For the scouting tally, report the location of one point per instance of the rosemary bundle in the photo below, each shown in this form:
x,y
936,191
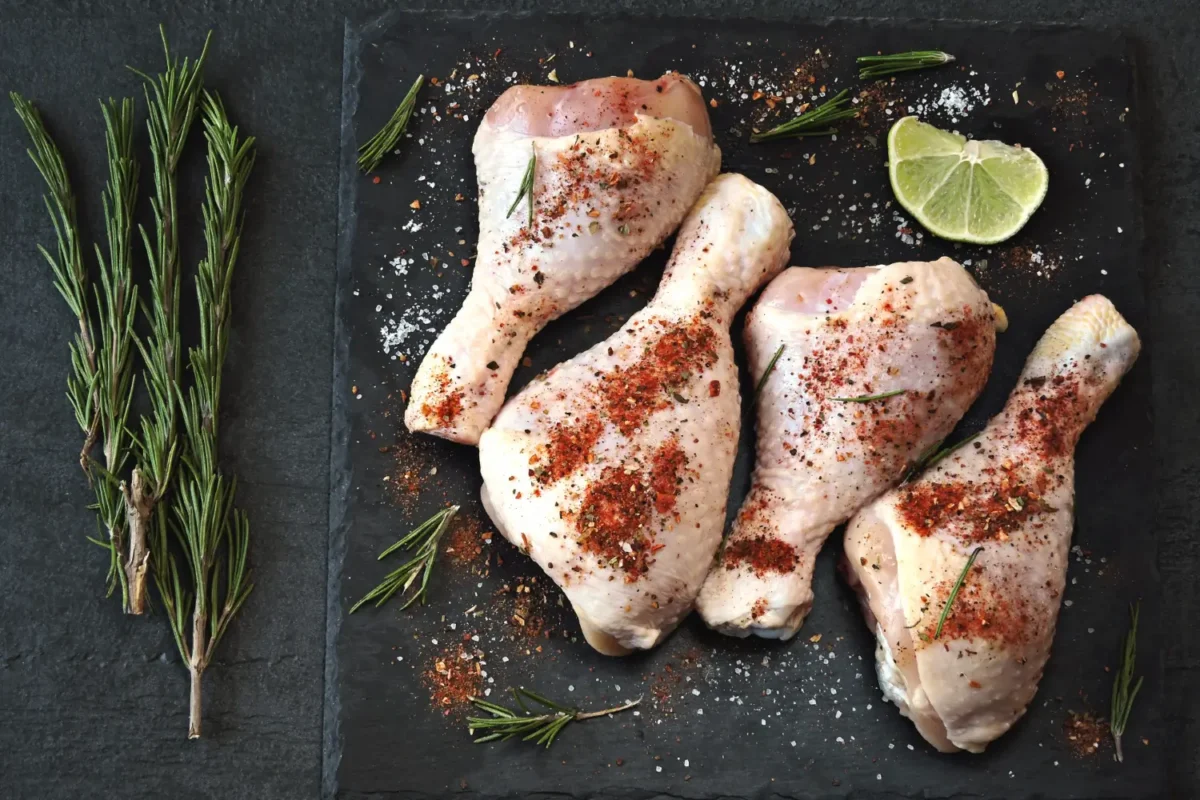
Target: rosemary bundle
x,y
138,516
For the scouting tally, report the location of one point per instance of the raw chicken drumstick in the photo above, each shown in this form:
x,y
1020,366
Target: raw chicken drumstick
x,y
612,471
1008,497
878,365
613,165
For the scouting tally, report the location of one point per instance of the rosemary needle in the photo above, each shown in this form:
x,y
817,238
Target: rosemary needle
x,y
767,372
1122,695
962,577
505,723
526,189
424,540
382,143
815,122
879,66
867,398
933,455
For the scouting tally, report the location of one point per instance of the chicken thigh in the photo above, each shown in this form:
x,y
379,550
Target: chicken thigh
x,y
610,166
877,364
997,513
612,471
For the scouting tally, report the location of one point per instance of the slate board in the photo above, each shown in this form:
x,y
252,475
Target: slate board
x,y
798,719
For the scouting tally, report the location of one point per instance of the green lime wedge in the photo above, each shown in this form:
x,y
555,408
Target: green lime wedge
x,y
963,189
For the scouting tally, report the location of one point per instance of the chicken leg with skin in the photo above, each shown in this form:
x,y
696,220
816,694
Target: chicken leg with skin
x,y
612,166
1007,497
877,365
612,471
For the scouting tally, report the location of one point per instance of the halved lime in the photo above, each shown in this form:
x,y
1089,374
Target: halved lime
x,y
963,189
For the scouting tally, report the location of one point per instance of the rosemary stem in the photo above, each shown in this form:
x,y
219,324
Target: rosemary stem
x,y
607,711
196,669
138,508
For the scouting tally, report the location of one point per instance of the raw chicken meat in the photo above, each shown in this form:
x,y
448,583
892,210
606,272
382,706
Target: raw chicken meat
x,y
1007,496
618,163
922,335
612,471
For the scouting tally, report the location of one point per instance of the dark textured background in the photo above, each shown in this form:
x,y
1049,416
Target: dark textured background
x,y
93,705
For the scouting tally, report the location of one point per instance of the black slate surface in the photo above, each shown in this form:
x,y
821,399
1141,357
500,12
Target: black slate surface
x,y
86,709
749,718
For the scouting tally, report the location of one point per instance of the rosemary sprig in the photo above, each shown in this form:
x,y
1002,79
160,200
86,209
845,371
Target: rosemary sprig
x,y
214,534
767,372
867,398
871,67
172,98
424,540
526,188
932,455
70,274
1122,695
115,297
383,142
962,577
813,122
505,723
100,386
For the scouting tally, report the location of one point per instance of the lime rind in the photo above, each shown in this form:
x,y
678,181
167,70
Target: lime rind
x,y
963,190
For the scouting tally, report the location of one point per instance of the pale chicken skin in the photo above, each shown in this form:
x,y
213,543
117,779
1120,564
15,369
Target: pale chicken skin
x,y
1007,496
922,334
617,162
612,471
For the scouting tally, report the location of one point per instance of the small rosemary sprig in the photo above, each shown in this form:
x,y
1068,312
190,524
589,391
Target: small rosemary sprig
x,y
172,98
962,577
215,535
867,398
871,67
70,274
505,723
526,190
934,454
100,386
383,142
767,372
115,297
1122,695
813,122
424,539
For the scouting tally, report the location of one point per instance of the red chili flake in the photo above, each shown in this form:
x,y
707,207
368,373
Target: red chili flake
x,y
983,610
1049,418
763,554
453,677
759,608
629,395
570,447
714,388
446,409
376,179
976,511
615,515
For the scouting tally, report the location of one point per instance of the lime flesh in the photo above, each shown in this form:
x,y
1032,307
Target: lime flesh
x,y
963,189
